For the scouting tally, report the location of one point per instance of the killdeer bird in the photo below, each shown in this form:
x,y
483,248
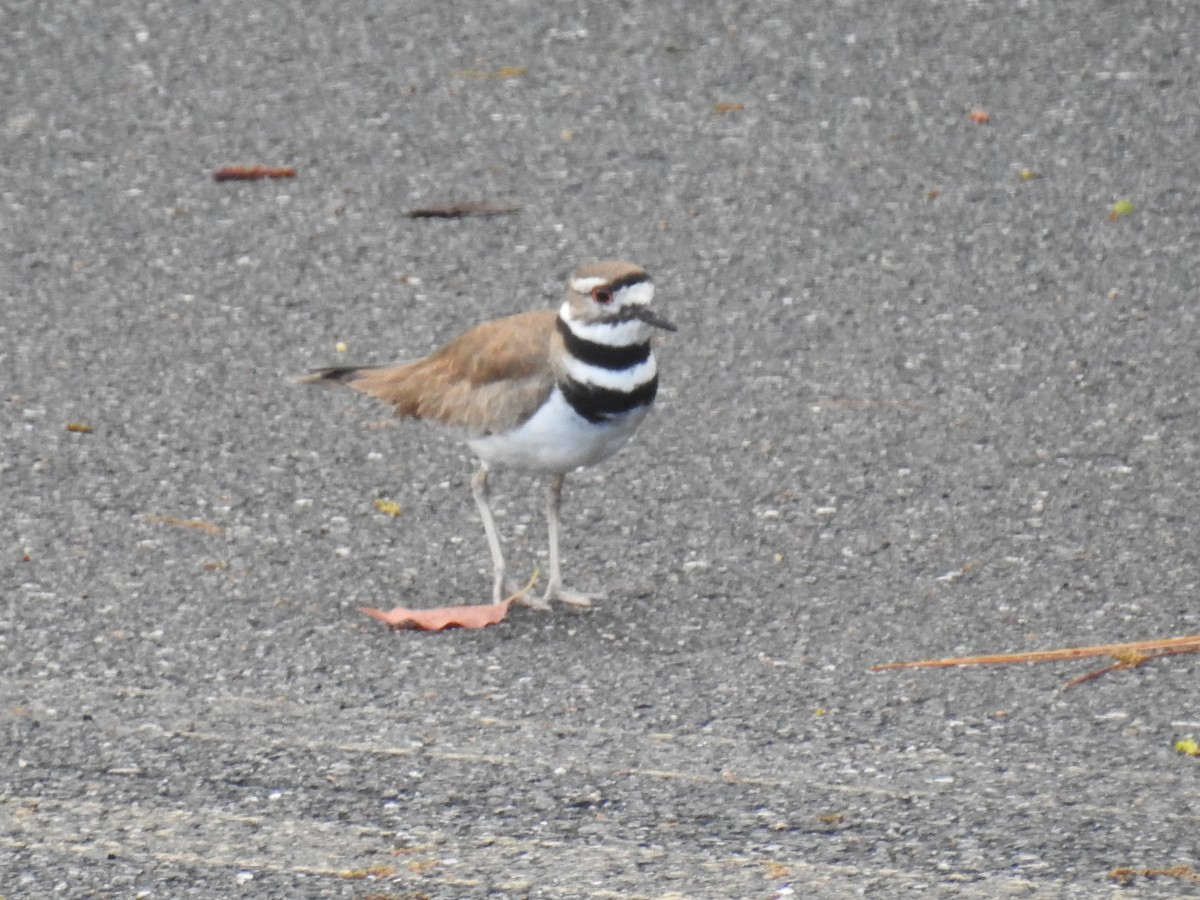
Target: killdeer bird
x,y
544,392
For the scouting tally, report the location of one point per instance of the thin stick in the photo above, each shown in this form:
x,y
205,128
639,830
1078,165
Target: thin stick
x,y
1124,653
533,579
1131,661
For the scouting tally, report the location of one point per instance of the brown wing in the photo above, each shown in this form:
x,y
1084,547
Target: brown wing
x,y
487,379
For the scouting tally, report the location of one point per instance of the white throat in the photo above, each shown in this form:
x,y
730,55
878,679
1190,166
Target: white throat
x,y
612,334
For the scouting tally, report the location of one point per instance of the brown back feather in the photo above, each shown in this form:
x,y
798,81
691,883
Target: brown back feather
x,y
489,378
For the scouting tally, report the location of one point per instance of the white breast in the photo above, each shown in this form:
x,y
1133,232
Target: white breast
x,y
556,439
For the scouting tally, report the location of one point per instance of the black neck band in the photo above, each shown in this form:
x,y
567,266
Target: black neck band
x,y
603,356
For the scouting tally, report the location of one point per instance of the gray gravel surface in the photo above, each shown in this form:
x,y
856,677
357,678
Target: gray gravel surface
x,y
918,406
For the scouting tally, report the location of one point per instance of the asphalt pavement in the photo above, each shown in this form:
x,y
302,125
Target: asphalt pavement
x,y
933,393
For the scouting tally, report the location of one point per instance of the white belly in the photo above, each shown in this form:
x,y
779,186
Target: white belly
x,y
557,439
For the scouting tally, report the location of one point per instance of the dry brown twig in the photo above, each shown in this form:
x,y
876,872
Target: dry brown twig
x,y
461,210
1127,656
194,524
1126,875
253,173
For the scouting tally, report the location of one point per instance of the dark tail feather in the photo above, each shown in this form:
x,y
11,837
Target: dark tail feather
x,y
333,375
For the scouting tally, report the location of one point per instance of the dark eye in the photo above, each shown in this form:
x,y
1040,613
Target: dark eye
x,y
602,295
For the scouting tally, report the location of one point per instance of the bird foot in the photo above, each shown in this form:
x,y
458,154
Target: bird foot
x,y
570,598
533,601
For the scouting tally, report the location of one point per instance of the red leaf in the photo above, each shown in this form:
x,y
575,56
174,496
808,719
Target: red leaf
x,y
472,617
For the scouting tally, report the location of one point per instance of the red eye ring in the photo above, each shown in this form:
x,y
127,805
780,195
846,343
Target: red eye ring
x,y
602,295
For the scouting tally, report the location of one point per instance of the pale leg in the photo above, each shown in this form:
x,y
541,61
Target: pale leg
x,y
555,589
502,588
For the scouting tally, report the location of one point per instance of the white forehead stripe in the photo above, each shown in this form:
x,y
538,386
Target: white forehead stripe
x,y
639,293
585,285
